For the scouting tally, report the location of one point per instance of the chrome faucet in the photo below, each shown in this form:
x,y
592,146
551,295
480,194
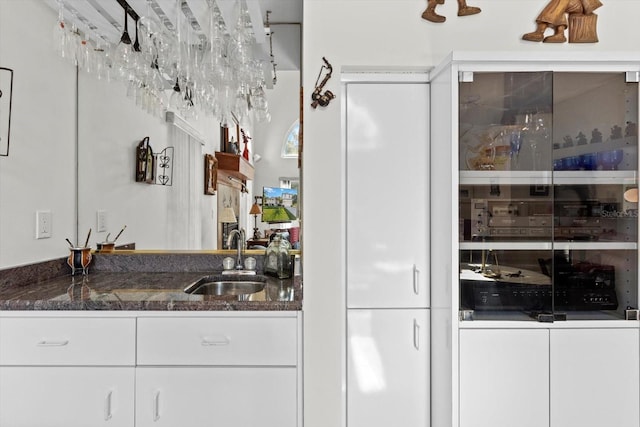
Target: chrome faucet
x,y
241,242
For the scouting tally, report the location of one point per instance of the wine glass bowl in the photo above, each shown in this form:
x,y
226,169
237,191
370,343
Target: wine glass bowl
x,y
609,160
588,161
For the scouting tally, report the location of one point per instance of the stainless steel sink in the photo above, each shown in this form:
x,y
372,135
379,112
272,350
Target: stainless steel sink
x,y
215,285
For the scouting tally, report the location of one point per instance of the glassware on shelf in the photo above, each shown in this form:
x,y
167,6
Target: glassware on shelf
x,y
609,160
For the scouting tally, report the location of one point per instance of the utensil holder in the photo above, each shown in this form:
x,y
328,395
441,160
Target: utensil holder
x,y
79,260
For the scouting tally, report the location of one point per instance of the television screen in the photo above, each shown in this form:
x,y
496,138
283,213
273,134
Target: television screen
x,y
279,204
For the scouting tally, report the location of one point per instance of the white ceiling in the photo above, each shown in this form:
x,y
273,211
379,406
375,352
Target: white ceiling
x,y
285,21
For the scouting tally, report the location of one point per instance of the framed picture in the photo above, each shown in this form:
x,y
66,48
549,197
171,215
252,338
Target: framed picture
x,y
210,174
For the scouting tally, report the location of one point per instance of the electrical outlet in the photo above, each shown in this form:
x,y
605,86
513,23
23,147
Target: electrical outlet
x,y
101,221
43,224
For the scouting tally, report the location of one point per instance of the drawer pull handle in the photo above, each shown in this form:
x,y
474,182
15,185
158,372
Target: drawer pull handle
x,y
416,334
46,343
156,406
221,340
107,406
416,280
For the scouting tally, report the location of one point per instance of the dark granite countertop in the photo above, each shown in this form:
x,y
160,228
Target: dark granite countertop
x,y
133,290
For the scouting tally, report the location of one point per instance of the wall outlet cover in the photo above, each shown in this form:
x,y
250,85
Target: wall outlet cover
x,y
43,224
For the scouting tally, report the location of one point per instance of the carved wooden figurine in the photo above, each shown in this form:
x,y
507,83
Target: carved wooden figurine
x,y
581,22
463,10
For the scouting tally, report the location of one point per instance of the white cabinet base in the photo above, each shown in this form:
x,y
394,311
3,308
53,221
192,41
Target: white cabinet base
x,y
388,368
206,396
594,378
504,378
66,396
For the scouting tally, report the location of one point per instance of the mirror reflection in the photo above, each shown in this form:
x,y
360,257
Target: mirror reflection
x,y
115,115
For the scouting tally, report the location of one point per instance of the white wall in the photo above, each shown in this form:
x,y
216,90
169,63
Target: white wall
x,y
110,127
383,34
40,168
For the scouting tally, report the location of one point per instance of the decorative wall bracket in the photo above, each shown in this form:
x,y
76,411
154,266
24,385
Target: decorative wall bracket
x,y
154,168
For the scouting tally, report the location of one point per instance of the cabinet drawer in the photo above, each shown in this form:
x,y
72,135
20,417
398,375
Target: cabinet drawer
x,y
67,341
217,341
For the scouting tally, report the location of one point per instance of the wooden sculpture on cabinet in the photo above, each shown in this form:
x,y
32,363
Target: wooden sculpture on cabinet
x,y
463,10
576,15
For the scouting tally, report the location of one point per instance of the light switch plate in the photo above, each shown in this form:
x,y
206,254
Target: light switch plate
x,y
101,221
43,224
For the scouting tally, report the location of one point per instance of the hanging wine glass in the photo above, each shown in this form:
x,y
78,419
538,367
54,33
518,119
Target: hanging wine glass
x,y
60,32
121,53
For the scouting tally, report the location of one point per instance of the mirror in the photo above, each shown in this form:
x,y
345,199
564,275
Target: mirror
x,y
73,142
113,120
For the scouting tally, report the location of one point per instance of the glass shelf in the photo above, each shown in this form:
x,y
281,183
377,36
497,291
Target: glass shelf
x,y
547,177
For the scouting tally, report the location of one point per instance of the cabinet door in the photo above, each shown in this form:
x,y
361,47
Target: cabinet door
x,y
388,368
504,378
594,377
66,396
204,397
387,142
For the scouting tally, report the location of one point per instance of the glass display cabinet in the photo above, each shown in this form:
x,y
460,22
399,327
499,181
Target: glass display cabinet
x,y
547,194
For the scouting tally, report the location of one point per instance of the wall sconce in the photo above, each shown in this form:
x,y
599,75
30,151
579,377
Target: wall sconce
x,y
255,211
154,168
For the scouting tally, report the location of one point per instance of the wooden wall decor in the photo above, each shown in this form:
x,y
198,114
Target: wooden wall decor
x,y
575,15
463,10
210,174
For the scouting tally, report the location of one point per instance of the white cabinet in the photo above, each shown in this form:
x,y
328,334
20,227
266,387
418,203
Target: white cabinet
x,y
217,340
504,378
142,369
387,146
388,367
218,370
594,377
67,341
66,396
549,377
206,396
67,371
531,163
387,256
